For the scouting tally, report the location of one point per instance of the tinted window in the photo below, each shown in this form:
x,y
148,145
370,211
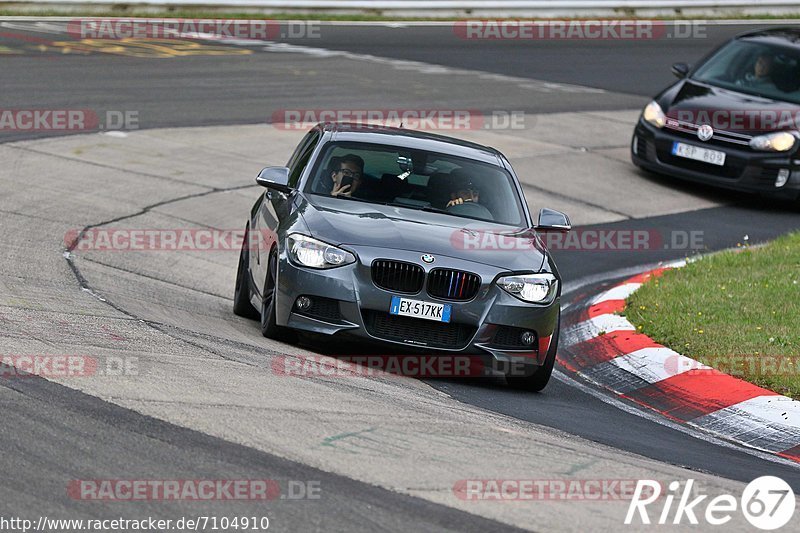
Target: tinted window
x,y
299,159
755,67
419,179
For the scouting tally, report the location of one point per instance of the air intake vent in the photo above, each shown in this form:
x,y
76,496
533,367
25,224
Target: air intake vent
x,y
416,331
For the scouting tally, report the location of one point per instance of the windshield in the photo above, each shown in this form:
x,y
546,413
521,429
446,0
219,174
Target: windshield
x,y
416,179
756,68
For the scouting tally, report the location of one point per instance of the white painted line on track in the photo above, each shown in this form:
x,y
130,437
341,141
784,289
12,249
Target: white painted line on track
x,y
656,364
620,292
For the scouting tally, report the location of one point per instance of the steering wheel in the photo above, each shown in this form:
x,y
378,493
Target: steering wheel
x,y
470,209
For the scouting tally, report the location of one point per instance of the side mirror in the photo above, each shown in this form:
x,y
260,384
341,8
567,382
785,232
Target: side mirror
x,y
275,178
551,220
680,70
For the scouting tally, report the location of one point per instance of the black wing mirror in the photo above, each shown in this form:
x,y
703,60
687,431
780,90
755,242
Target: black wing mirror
x,y
680,70
275,178
551,220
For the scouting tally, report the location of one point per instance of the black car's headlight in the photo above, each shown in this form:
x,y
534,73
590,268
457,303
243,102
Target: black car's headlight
x,y
533,288
654,115
774,142
310,252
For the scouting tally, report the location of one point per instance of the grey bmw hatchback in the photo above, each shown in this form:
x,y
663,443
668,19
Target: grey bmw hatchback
x,y
415,241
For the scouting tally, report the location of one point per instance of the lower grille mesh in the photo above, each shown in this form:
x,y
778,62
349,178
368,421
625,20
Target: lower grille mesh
x,y
417,331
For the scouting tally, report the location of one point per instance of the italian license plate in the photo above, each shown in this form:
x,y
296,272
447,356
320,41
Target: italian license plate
x,y
420,309
715,157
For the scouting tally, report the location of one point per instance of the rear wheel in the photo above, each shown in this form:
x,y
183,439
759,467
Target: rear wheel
x,y
269,326
541,376
241,292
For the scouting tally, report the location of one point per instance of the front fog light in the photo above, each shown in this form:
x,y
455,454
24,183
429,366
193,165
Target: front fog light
x,y
303,303
783,177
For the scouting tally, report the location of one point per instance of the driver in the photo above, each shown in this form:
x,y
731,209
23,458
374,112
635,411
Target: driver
x,y
463,190
464,196
762,71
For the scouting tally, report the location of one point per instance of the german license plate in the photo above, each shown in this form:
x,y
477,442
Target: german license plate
x,y
715,157
420,309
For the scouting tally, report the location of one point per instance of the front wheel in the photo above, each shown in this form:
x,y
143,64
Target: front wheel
x,y
541,376
269,326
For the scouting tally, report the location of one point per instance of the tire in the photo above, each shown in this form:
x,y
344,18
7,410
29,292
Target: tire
x,y
541,376
269,326
241,292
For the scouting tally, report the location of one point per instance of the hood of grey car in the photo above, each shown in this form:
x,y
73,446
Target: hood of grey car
x,y
344,222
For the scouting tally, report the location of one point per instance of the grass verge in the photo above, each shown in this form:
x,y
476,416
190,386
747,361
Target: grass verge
x,y
737,311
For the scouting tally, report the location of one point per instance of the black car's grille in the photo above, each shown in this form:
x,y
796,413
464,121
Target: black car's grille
x,y
398,276
733,167
417,331
511,337
322,308
453,284
720,137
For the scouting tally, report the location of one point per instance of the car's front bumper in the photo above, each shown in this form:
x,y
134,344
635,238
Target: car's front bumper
x,y
744,169
348,303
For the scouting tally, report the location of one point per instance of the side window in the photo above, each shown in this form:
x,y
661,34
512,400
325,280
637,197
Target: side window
x,y
299,148
300,158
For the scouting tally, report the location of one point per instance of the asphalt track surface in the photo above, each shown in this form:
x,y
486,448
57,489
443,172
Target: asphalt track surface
x,y
243,90
50,421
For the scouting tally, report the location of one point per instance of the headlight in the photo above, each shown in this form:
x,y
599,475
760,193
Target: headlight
x,y
654,115
773,142
312,253
534,288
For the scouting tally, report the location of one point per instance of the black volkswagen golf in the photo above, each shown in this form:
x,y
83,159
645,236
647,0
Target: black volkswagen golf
x,y
732,120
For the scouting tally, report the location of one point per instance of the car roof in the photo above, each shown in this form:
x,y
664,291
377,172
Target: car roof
x,y
784,35
421,140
